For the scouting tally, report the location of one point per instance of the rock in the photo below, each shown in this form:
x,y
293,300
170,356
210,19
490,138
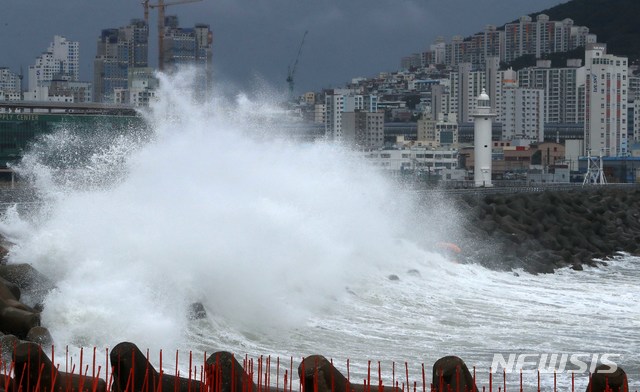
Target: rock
x,y
40,335
413,272
28,279
33,367
615,381
574,226
317,374
8,344
450,373
197,311
17,321
7,288
228,374
127,359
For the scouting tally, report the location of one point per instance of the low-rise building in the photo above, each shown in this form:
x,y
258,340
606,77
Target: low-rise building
x,y
414,159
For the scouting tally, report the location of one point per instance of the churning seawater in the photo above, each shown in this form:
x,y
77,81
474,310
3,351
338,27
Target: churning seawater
x,y
289,246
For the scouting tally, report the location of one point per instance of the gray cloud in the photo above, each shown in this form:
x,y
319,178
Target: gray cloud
x,y
258,39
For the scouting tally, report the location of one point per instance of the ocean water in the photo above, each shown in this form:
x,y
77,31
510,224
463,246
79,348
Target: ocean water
x,y
290,248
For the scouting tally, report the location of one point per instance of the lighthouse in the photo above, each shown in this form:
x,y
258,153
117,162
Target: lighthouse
x,y
482,119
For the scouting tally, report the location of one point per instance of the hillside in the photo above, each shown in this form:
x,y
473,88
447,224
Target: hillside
x,y
615,22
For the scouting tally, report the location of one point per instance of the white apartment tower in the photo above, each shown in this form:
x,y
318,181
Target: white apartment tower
x,y
493,80
542,36
60,61
523,114
563,90
466,84
334,107
439,49
10,85
441,101
605,128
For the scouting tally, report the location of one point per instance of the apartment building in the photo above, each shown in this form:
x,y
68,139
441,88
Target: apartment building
x,y
60,61
523,114
54,76
466,85
118,50
10,85
191,46
563,90
438,132
340,101
523,37
606,92
363,129
542,36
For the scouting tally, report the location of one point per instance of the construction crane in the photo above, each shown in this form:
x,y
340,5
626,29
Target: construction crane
x,y
161,6
292,69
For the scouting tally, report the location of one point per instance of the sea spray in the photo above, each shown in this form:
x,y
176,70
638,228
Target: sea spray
x,y
213,206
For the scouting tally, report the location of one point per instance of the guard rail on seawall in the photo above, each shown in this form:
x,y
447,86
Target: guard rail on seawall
x,y
468,188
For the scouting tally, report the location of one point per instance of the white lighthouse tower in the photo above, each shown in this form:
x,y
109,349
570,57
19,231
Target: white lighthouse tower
x,y
482,119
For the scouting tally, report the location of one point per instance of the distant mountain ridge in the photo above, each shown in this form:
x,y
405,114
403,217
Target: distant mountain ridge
x,y
615,22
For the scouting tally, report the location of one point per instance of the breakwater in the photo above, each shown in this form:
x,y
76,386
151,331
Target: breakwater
x,y
542,231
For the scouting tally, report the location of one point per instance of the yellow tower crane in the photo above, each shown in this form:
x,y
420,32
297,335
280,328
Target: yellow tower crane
x,y
161,6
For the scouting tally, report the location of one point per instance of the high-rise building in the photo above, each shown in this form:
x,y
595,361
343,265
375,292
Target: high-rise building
x,y
363,129
563,90
524,37
466,85
60,61
354,102
320,113
334,106
54,76
439,131
142,85
605,128
483,45
634,88
542,36
438,48
10,85
341,101
635,110
412,61
522,113
441,101
454,51
188,46
119,50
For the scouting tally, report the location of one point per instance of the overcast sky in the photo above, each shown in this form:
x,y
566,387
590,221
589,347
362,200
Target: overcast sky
x,y
256,40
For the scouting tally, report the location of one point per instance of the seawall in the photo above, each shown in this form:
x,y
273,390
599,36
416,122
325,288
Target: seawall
x,y
541,232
